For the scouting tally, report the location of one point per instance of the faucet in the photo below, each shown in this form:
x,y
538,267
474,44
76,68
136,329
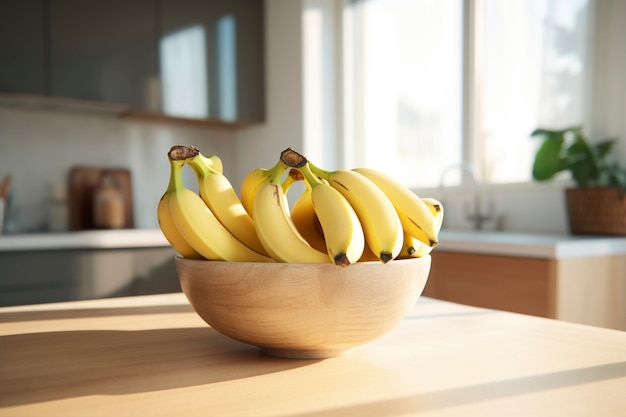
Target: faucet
x,y
475,215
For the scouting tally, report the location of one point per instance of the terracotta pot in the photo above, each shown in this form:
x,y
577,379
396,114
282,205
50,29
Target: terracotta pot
x,y
596,210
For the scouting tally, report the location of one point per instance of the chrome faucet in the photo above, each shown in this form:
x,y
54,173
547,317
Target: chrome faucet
x,y
475,215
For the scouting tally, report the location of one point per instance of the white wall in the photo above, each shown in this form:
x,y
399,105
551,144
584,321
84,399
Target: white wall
x,y
38,147
261,146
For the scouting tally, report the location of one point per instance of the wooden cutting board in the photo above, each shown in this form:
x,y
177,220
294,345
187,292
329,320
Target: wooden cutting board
x,y
82,182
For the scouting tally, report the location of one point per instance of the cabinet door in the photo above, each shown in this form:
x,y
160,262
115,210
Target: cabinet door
x,y
103,50
520,285
212,59
22,46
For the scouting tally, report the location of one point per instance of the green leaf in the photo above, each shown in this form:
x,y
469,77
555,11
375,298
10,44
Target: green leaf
x,y
602,149
547,159
582,162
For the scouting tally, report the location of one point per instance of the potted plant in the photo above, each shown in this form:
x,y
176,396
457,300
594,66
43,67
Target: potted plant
x,y
597,204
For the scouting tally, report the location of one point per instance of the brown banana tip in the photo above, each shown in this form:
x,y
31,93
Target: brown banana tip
x,y
292,158
385,257
434,243
182,152
296,175
342,260
410,250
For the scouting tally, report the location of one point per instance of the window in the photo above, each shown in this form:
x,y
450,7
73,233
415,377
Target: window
x,y
432,84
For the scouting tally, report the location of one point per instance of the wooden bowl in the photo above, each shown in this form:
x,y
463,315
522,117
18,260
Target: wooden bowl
x,y
303,310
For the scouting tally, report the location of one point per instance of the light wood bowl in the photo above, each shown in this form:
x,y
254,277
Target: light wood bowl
x,y
303,310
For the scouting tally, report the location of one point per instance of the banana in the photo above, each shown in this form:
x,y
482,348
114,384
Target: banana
x,y
414,248
166,223
380,222
201,229
250,185
436,208
306,221
215,162
415,216
342,229
221,198
274,225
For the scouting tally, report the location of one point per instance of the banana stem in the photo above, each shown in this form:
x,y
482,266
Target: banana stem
x,y
176,176
276,173
182,152
319,172
294,176
201,165
309,177
292,158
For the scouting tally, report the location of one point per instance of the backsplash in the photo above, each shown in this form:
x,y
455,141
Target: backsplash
x,y
38,148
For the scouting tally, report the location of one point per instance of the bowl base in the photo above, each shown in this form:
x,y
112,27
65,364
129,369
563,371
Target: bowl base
x,y
305,353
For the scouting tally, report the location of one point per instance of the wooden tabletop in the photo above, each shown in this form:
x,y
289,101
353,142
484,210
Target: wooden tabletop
x,y
152,356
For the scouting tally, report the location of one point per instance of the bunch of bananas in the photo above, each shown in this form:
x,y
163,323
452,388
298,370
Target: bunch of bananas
x,y
343,216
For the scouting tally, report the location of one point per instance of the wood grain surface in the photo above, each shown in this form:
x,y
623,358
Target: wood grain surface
x,y
153,356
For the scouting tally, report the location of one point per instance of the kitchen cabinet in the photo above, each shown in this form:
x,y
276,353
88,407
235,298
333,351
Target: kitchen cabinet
x,y
103,50
42,276
211,59
185,59
589,290
22,52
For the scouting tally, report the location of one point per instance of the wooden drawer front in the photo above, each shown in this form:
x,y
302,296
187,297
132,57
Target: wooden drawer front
x,y
522,285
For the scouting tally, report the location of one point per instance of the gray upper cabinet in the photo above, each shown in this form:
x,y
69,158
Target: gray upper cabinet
x,y
195,59
103,50
212,58
22,54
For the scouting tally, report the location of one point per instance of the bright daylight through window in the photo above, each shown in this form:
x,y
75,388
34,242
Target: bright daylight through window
x,y
433,84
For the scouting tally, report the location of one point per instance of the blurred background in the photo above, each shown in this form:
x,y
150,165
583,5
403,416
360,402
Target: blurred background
x,y
441,94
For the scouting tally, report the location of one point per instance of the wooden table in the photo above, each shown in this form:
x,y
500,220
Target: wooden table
x,y
152,356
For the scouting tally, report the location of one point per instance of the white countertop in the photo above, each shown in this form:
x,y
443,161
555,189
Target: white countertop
x,y
92,239
531,244
494,243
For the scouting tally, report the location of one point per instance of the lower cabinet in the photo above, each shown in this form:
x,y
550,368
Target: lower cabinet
x,y
32,277
583,290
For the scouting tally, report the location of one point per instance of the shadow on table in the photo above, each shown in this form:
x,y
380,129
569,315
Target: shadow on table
x,y
23,316
56,365
476,393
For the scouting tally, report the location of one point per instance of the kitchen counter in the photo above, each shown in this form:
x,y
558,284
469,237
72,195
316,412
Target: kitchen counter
x,y
88,239
495,243
531,245
152,355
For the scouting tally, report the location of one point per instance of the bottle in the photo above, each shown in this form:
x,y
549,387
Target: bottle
x,y
58,217
108,204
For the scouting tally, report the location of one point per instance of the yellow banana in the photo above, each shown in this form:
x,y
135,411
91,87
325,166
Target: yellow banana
x,y
215,162
306,221
343,232
274,225
380,222
250,185
436,208
417,219
201,229
166,223
414,248
219,195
